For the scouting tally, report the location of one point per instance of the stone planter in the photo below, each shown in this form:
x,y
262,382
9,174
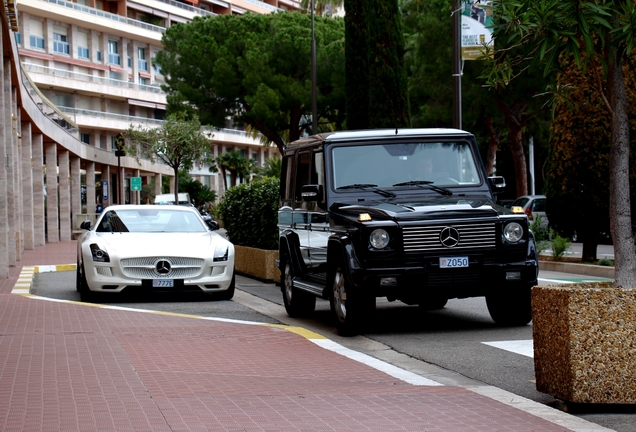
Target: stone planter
x,y
585,342
259,263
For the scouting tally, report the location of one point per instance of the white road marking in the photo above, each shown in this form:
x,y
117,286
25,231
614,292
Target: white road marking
x,y
523,347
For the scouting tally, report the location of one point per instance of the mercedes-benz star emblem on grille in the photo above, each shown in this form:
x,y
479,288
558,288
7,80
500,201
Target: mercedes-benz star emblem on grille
x,y
163,267
449,237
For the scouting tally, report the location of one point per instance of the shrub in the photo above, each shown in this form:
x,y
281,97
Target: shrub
x,y
605,262
249,212
541,235
559,245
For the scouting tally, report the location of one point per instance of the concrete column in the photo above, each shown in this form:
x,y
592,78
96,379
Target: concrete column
x,y
5,130
64,183
37,151
157,184
91,203
27,186
17,177
106,178
76,191
52,217
173,185
135,197
10,163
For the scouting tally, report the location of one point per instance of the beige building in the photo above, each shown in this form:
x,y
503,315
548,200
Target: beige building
x,y
75,74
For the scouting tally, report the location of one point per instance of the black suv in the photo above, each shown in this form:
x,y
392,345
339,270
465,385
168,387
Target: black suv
x,y
405,214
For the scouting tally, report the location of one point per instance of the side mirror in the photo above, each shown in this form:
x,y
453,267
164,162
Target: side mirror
x,y
85,225
497,183
214,225
312,193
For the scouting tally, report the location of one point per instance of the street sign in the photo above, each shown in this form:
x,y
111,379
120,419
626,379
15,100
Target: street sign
x,y
135,183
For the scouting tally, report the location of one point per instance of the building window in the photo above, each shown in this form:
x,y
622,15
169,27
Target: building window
x,y
143,63
36,42
99,56
82,52
143,81
85,138
59,44
113,53
18,39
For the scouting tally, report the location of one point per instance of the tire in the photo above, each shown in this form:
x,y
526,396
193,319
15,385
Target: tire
x,y
229,293
82,286
298,303
351,310
433,304
512,308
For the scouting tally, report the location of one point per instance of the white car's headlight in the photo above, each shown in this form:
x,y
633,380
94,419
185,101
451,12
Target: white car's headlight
x,y
99,254
513,232
221,253
379,239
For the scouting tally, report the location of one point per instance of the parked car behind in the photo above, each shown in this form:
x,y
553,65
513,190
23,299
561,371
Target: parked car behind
x,y
533,206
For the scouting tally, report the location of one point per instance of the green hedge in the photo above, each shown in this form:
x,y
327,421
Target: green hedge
x,y
249,212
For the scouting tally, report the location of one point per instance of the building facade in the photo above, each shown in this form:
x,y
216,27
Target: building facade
x,y
75,74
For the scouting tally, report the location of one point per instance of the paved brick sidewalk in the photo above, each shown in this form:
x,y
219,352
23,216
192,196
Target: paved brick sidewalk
x,y
68,366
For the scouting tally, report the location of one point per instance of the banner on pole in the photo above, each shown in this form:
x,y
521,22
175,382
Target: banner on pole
x,y
476,31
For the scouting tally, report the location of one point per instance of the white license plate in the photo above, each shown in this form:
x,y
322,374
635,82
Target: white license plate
x,y
453,262
162,283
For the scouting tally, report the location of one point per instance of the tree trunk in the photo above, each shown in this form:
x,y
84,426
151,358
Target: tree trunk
x,y
518,156
493,144
589,251
620,206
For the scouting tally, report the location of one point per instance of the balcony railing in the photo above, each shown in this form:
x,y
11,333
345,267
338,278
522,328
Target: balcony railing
x,y
74,112
92,79
187,7
47,107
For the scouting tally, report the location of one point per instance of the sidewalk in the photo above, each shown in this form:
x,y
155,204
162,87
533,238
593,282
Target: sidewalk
x,y
67,366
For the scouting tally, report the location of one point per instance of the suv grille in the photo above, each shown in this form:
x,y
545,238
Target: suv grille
x,y
477,235
145,268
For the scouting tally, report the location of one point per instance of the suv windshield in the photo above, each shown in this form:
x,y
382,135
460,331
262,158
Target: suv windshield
x,y
387,165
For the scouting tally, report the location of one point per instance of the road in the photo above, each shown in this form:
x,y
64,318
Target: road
x,y
458,345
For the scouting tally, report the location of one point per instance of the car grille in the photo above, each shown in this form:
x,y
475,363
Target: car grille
x,y
472,235
146,268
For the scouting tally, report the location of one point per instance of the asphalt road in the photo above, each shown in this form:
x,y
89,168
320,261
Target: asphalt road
x,y
458,345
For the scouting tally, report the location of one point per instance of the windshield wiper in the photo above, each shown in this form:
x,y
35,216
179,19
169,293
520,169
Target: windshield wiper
x,y
429,184
372,187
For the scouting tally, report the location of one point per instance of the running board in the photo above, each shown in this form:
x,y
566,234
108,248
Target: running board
x,y
313,288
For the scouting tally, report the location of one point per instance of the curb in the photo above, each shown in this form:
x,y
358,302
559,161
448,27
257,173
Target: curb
x,y
580,269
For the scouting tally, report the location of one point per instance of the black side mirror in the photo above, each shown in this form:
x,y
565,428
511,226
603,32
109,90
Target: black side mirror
x,y
497,183
312,192
214,225
85,225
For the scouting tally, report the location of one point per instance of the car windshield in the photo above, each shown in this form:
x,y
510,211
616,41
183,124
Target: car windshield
x,y
403,165
152,219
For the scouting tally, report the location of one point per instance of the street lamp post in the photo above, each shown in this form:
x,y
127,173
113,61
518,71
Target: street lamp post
x,y
314,105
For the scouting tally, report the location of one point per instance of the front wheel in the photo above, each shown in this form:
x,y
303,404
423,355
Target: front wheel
x,y
510,308
228,293
350,309
298,303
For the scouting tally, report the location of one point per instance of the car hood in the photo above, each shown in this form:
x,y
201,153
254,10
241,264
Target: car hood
x,y
161,244
424,208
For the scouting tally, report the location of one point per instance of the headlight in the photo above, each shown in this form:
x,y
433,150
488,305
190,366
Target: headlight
x,y
99,254
221,252
379,239
513,232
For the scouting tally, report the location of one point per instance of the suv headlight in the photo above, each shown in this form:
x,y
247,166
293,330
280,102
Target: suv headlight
x,y
379,239
513,232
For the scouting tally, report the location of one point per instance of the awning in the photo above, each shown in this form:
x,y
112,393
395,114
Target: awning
x,y
146,104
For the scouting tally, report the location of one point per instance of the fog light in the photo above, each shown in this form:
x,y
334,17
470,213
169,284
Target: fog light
x,y
513,275
388,281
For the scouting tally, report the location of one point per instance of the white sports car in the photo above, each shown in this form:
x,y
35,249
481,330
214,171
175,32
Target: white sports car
x,y
153,248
